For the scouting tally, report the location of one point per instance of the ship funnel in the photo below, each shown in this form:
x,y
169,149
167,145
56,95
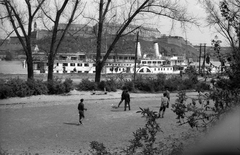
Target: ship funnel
x,y
158,55
139,53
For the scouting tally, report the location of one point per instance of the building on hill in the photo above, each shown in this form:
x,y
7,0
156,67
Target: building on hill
x,y
146,33
81,30
40,34
175,40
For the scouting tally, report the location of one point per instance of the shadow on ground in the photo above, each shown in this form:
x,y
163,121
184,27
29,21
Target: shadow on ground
x,y
76,124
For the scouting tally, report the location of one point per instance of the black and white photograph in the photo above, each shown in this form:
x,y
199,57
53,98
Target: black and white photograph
x,y
119,77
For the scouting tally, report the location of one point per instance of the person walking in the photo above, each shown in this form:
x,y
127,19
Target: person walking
x,y
81,109
122,97
127,100
164,103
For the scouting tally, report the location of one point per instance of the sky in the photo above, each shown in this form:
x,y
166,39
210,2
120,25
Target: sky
x,y
193,34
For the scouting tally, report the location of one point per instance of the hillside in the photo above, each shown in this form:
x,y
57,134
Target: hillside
x,y
125,45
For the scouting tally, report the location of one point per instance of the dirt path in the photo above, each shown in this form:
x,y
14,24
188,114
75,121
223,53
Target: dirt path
x,y
48,124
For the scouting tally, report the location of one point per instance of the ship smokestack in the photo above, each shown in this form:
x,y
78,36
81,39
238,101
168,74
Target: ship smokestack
x,y
139,53
158,55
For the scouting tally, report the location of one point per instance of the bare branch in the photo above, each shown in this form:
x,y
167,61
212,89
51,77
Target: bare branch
x,y
106,9
69,23
136,28
38,7
222,26
47,14
10,9
9,34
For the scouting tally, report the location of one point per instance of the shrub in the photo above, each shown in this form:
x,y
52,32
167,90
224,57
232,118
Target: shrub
x,y
111,85
19,87
174,83
6,91
9,56
188,84
159,85
146,84
202,86
98,148
68,83
87,85
161,77
145,137
129,85
38,87
55,86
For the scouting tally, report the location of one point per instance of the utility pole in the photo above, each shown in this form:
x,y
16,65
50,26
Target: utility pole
x,y
199,67
204,57
135,60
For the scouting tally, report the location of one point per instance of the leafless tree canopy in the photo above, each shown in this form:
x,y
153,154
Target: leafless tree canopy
x,y
20,16
216,20
129,12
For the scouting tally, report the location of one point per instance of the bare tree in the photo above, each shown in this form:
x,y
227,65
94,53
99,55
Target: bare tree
x,y
21,17
130,12
55,16
224,16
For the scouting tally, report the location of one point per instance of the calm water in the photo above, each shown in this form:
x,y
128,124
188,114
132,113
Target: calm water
x,y
12,67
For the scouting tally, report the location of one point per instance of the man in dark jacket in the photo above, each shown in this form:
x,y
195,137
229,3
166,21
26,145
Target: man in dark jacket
x,y
127,100
122,97
81,111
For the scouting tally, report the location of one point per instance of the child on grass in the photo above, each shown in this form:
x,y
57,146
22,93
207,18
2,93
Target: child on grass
x,y
164,103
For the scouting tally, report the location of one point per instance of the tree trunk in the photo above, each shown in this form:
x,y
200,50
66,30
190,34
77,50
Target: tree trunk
x,y
50,67
30,67
99,44
98,73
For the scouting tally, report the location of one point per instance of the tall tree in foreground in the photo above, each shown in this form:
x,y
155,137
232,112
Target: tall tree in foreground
x,y
225,92
130,12
224,16
63,11
21,17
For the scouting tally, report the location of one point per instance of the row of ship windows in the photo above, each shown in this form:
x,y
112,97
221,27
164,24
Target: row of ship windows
x,y
152,62
77,71
121,58
81,57
87,64
158,62
123,64
162,69
75,64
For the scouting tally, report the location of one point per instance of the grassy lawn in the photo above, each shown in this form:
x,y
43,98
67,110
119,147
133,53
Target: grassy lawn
x,y
52,127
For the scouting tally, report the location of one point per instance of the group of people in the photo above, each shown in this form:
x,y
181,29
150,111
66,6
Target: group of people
x,y
125,96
